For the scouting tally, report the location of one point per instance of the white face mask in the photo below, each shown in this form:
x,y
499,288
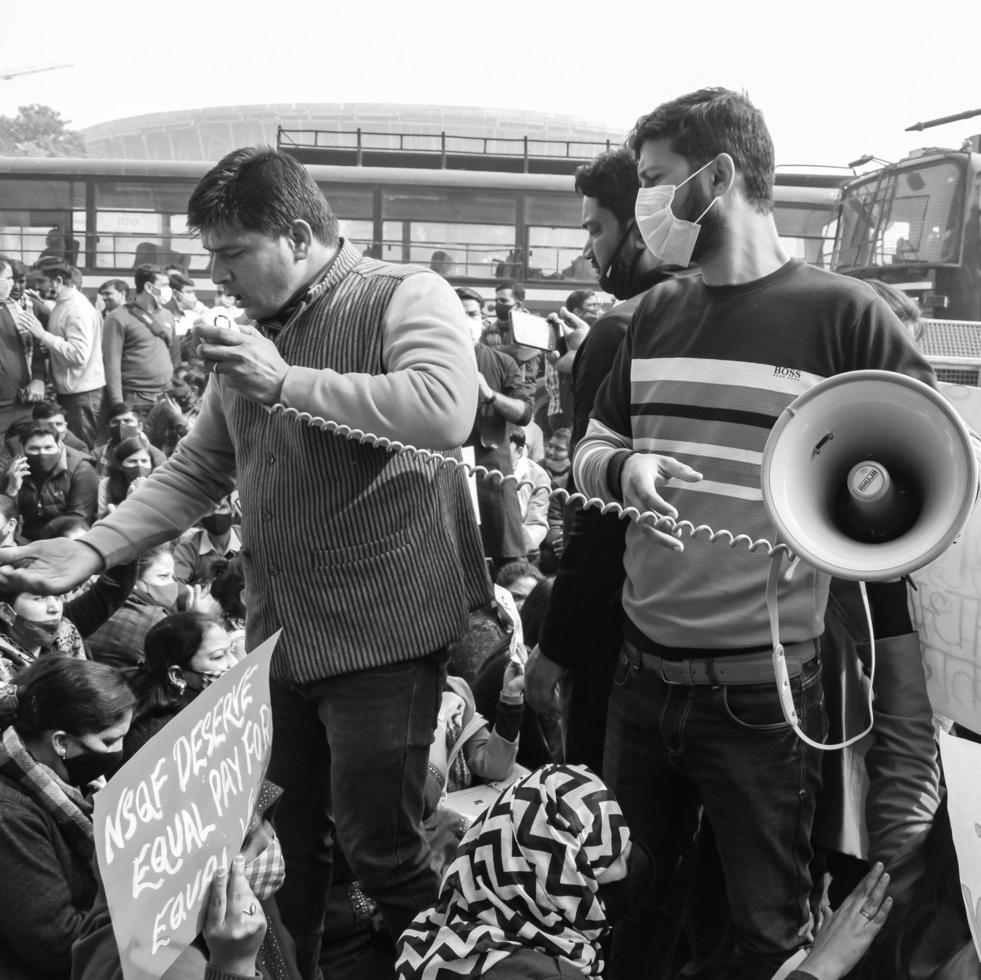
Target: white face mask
x,y
667,236
164,295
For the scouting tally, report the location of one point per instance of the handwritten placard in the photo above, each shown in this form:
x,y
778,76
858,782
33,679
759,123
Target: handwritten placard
x,y
946,605
962,763
178,810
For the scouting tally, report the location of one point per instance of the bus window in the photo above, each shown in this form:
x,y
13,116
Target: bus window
x,y
36,218
556,237
474,229
139,222
354,207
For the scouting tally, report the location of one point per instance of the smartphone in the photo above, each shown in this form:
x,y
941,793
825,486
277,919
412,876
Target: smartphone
x,y
532,331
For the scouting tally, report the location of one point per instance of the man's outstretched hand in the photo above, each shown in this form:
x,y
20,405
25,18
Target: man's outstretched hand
x,y
48,567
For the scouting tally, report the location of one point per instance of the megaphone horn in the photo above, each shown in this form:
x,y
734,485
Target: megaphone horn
x,y
869,475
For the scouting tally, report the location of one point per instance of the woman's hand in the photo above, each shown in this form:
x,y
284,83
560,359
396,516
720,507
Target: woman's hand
x,y
235,924
845,937
514,680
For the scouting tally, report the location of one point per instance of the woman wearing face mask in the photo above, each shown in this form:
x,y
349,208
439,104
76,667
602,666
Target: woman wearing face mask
x,y
68,730
123,424
182,655
155,594
34,626
132,465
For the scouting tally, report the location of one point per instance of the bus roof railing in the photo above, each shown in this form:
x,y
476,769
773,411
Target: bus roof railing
x,y
444,151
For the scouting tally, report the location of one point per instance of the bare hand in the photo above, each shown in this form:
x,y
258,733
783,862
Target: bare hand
x,y
203,602
16,472
574,322
842,942
542,678
135,485
26,320
235,924
48,567
35,390
642,474
514,680
244,360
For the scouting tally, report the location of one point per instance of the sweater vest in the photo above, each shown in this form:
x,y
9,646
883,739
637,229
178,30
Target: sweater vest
x,y
365,558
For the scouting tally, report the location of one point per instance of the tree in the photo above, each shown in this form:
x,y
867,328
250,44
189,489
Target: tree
x,y
39,131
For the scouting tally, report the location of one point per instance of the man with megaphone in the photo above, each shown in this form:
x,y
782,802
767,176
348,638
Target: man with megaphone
x,y
709,365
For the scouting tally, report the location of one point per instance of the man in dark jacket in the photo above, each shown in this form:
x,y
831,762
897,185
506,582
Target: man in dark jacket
x,y
50,480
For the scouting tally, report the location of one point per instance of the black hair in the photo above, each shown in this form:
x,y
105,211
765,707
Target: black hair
x,y
227,585
703,124
151,557
60,270
512,571
46,410
611,179
76,696
517,435
35,427
465,292
172,642
144,274
178,281
533,611
257,188
193,377
117,284
576,298
61,526
903,305
516,288
119,408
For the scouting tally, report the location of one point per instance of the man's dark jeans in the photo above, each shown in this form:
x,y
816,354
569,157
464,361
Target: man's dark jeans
x,y
84,415
351,754
670,748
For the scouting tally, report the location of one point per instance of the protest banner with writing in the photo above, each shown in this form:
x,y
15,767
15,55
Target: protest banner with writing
x,y
946,604
962,762
178,810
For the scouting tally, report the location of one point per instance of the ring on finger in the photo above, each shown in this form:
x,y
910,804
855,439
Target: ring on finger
x,y
214,367
868,915
251,909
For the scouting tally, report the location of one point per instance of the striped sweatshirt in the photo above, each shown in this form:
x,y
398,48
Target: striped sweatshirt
x,y
703,375
364,557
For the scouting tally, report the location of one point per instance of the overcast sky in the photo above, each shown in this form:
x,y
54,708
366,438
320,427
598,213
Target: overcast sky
x,y
836,79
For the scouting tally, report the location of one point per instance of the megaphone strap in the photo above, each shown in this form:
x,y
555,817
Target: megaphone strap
x,y
782,674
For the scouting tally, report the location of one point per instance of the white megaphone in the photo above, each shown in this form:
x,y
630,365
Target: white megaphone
x,y
869,475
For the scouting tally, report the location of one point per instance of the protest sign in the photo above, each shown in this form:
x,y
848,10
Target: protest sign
x,y
946,604
962,762
178,810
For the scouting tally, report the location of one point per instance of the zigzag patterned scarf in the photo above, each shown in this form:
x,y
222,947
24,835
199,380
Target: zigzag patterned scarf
x,y
524,877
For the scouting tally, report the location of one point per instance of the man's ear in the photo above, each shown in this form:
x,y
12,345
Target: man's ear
x,y
301,238
723,174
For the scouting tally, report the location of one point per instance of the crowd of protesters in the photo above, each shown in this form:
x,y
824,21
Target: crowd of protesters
x,y
660,818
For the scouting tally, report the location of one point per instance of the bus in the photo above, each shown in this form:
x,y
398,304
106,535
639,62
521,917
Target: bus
x,y
475,227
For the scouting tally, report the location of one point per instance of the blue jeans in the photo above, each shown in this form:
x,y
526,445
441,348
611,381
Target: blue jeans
x,y
351,754
672,748
83,413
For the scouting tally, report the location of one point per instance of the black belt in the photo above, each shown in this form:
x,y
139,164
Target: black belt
x,y
744,668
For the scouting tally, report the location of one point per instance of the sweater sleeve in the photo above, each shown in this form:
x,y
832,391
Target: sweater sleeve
x,y
608,434
41,926
98,603
112,357
428,393
75,347
177,494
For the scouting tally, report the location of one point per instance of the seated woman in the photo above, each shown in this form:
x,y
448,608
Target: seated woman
x,y
155,594
502,912
182,655
34,625
68,730
132,464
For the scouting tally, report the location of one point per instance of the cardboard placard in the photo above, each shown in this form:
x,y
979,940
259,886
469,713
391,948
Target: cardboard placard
x,y
962,762
178,810
946,605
